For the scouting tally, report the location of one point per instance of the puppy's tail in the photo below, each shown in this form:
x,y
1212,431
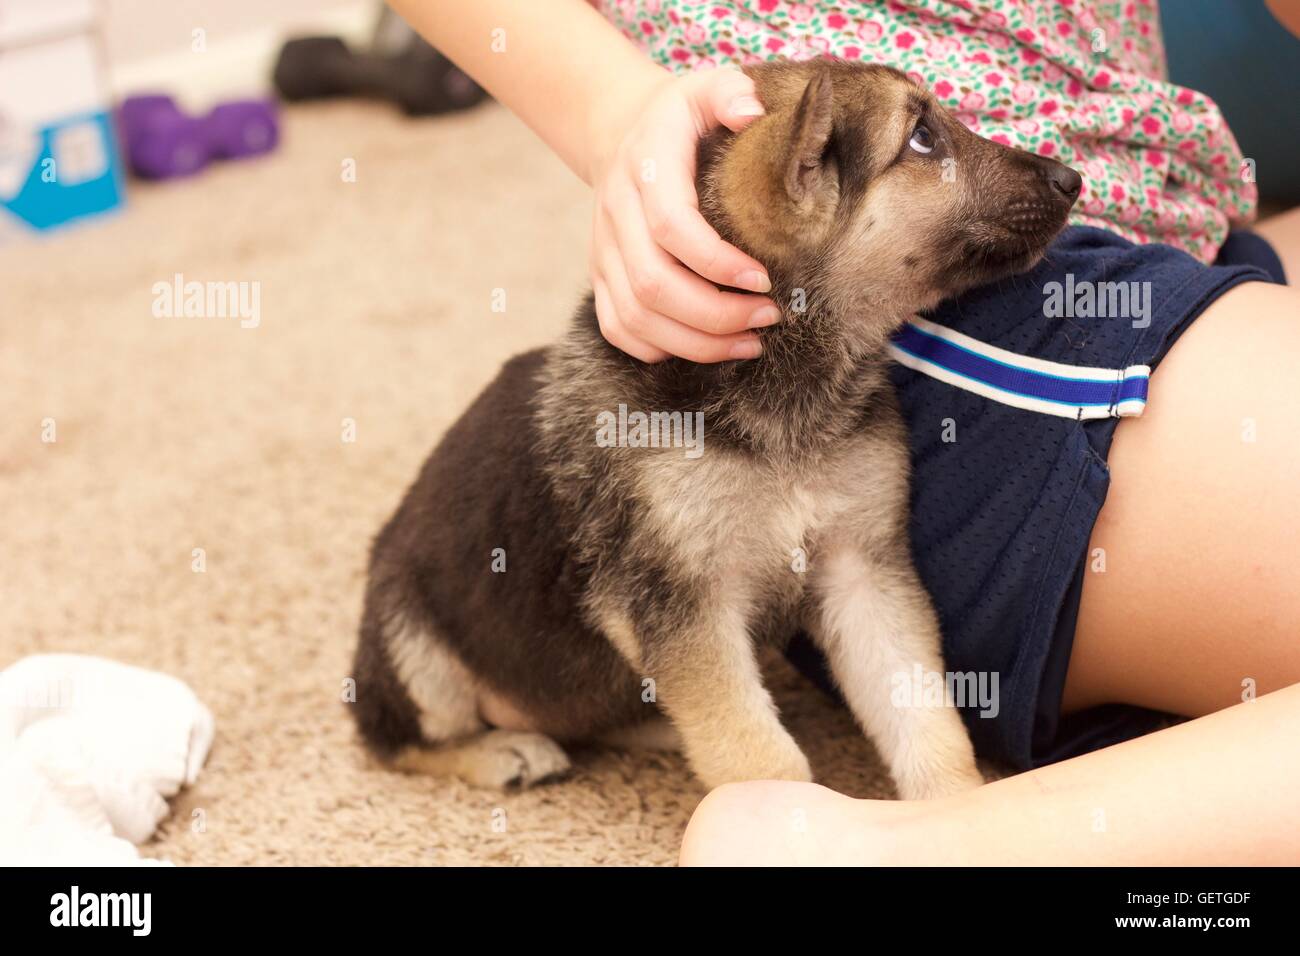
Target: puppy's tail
x,y
385,713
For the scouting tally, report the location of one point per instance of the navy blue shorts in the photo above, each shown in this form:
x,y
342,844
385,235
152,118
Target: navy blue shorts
x,y
1004,498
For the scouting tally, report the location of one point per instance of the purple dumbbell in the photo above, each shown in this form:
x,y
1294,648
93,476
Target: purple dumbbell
x,y
243,128
162,142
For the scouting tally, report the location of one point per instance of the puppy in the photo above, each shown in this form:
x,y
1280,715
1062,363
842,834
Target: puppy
x,y
575,559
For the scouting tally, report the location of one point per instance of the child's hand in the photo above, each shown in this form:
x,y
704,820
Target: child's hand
x,y
650,245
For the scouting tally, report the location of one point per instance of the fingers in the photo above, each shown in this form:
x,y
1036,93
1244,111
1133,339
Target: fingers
x,y
615,333
652,251
677,227
671,207
627,318
727,96
663,285
673,217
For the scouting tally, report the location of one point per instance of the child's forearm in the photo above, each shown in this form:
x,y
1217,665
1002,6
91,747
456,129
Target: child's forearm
x,y
558,65
610,114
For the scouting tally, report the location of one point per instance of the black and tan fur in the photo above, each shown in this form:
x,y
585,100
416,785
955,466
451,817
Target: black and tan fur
x,y
626,566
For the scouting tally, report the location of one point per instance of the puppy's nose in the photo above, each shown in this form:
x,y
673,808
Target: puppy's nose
x,y
1065,181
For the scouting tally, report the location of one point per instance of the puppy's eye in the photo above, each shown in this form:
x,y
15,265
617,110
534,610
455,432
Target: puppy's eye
x,y
922,139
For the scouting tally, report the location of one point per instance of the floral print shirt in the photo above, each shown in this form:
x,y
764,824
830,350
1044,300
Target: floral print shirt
x,y
1081,81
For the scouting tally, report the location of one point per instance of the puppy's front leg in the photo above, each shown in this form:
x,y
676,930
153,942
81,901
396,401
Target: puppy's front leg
x,y
707,679
874,621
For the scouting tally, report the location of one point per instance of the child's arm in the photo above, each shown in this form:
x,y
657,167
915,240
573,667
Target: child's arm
x,y
613,117
559,66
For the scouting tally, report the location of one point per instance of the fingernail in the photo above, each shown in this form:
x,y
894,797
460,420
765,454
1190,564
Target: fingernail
x,y
754,281
746,349
767,315
746,106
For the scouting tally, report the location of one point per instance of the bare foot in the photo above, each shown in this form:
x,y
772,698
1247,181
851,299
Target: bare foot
x,y
778,823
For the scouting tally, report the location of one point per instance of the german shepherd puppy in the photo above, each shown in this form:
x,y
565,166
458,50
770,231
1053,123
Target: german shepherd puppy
x,y
550,576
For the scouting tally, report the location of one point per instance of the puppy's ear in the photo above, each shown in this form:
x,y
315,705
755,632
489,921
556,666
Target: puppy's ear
x,y
810,132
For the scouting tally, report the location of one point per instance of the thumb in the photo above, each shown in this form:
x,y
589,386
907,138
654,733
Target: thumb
x,y
727,97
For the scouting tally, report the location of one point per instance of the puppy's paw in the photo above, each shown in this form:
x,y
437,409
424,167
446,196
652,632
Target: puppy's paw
x,y
504,758
497,759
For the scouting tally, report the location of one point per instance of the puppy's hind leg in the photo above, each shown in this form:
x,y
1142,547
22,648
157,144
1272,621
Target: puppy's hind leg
x,y
417,710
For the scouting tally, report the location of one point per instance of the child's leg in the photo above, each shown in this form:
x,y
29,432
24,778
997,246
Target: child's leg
x,y
1218,791
1200,600
1202,539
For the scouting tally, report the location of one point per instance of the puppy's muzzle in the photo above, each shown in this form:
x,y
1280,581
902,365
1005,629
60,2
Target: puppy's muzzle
x,y
1042,208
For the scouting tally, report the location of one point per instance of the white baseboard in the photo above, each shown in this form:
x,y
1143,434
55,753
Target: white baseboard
x,y
237,67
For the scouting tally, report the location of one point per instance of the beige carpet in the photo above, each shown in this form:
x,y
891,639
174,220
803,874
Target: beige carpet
x,y
175,434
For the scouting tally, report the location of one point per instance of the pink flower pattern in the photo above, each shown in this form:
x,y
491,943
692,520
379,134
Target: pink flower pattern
x,y
1082,82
